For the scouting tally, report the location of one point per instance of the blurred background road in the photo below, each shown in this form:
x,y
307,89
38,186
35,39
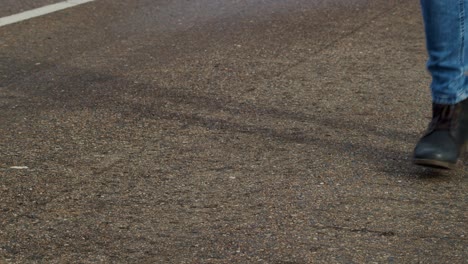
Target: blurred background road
x,y
231,131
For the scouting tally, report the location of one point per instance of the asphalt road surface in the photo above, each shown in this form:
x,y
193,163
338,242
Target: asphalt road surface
x,y
228,131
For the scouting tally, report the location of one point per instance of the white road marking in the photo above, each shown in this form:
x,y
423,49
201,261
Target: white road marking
x,y
40,11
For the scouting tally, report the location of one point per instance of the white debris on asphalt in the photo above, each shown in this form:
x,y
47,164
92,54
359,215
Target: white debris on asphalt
x,y
19,167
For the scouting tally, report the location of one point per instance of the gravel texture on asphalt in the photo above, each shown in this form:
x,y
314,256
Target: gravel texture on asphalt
x,y
234,131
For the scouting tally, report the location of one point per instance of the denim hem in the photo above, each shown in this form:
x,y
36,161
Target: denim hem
x,y
462,95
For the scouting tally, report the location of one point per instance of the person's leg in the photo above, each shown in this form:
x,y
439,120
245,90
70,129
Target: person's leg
x,y
446,28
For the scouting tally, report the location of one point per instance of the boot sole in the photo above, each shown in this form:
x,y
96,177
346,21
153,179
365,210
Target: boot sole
x,y
437,164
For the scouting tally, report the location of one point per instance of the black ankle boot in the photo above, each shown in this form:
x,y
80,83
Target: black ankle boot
x,y
446,138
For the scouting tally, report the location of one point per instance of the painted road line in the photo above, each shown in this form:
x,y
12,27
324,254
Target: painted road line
x,y
40,11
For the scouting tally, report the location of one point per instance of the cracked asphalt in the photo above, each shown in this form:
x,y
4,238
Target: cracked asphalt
x,y
233,131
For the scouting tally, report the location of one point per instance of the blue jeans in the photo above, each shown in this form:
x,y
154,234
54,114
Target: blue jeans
x,y
446,25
